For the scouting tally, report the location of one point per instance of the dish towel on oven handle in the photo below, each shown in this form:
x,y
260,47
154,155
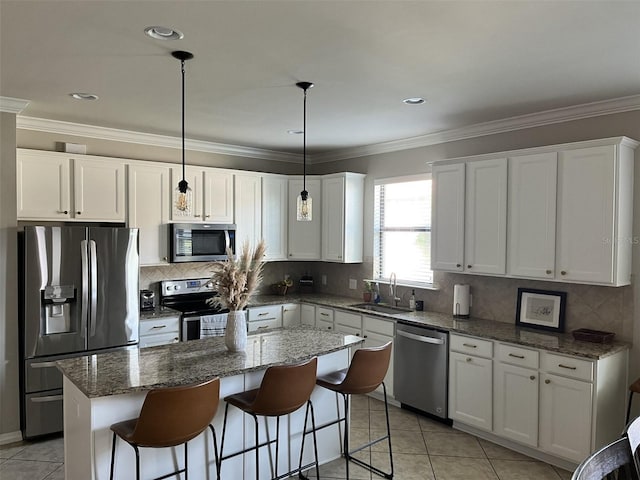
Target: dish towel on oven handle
x,y
213,325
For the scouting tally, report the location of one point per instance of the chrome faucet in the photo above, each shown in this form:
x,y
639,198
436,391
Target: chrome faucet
x,y
393,288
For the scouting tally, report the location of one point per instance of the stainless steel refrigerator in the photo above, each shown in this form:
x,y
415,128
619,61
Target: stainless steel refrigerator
x,y
79,294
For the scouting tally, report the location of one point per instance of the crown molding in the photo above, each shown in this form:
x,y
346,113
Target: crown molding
x,y
116,135
12,105
547,117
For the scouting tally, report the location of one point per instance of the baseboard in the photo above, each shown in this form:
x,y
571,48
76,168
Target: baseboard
x,y
11,437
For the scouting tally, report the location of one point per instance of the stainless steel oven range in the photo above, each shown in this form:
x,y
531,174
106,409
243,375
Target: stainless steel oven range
x,y
199,319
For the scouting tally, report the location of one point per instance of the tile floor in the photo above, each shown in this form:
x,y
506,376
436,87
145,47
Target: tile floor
x,y
423,449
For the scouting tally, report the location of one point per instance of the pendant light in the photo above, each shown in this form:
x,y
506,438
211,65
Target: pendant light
x,y
303,205
184,200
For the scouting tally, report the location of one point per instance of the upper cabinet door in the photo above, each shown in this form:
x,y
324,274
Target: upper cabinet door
x,y
274,216
149,205
195,178
486,216
218,196
304,237
248,209
43,180
333,212
447,217
586,208
99,189
532,215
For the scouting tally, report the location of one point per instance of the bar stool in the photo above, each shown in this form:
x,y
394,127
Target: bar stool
x,y
283,390
170,417
633,388
365,374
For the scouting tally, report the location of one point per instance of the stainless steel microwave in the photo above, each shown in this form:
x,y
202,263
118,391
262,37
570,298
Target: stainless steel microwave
x,y
201,242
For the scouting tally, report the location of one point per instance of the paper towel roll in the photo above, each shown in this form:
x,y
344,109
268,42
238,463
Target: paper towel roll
x,y
461,300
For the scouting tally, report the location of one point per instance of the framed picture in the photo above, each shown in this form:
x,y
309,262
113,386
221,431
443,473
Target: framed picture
x,y
541,309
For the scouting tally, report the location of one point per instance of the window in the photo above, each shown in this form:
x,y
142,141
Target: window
x,y
402,230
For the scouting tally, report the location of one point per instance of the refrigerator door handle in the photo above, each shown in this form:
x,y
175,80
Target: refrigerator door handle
x,y
84,252
94,286
47,399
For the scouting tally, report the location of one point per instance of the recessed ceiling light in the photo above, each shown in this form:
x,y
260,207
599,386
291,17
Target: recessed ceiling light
x,y
84,96
163,33
414,101
295,132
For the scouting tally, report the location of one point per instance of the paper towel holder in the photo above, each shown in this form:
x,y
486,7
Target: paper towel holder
x,y
461,306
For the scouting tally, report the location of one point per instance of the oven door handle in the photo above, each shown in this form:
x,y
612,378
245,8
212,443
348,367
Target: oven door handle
x,y
420,338
227,240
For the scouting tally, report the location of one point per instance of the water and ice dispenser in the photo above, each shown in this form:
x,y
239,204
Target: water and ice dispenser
x,y
57,301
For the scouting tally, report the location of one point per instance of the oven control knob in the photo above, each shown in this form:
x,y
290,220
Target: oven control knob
x,y
176,287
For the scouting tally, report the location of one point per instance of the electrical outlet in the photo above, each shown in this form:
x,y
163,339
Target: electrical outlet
x,y
353,283
324,279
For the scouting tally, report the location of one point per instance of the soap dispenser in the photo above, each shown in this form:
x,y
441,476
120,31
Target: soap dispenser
x,y
412,299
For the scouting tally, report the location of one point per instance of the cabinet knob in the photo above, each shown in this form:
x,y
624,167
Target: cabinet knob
x,y
65,212
458,265
468,266
532,377
469,359
78,213
207,216
547,381
197,215
165,259
291,254
364,336
563,272
549,272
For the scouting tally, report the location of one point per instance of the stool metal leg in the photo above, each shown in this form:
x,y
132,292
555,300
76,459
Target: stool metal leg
x,y
113,455
224,431
629,407
255,419
346,433
135,447
215,451
186,466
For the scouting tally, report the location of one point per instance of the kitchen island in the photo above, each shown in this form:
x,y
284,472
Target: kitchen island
x,y
100,390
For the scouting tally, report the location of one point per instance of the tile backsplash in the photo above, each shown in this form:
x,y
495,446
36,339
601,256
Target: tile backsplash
x,y
494,298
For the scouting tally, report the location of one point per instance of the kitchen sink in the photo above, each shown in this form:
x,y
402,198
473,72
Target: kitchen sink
x,y
375,307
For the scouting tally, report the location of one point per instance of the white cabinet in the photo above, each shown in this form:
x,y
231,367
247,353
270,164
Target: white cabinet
x,y
485,227
264,318
59,186
348,323
149,202
159,331
211,193
471,382
305,237
274,216
532,215
290,314
342,217
308,315
594,235
447,217
378,332
324,318
248,208
43,185
515,394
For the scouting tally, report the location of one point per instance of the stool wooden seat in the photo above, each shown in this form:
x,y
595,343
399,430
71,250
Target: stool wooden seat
x,y
365,373
170,417
283,390
633,388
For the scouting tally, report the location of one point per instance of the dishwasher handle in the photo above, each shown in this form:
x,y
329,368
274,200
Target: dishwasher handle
x,y
420,338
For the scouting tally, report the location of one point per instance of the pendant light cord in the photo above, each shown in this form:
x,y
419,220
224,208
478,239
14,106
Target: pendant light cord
x,y
183,100
304,142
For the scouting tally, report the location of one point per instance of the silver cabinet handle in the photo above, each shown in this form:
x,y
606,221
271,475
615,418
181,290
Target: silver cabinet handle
x,y
324,314
263,314
470,345
566,366
421,338
159,326
516,356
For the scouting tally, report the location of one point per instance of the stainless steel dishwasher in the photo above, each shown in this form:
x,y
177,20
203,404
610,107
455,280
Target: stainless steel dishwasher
x,y
421,365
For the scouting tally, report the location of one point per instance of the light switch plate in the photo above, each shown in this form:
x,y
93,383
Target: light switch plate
x,y
353,283
324,279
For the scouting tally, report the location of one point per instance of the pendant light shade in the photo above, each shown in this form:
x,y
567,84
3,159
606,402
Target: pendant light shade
x,y
184,199
304,206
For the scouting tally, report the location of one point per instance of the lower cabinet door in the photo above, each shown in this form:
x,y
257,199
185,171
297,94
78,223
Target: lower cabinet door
x,y
470,390
565,417
373,339
515,403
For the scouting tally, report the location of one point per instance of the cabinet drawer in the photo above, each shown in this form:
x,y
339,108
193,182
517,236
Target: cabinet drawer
x,y
348,330
383,327
160,339
324,314
517,355
159,325
262,325
348,319
272,312
472,346
324,325
567,366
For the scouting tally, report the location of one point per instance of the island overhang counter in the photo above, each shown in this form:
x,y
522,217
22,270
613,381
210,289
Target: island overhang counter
x,y
102,389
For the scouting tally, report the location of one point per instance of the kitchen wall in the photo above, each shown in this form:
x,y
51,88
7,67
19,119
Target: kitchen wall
x,y
596,307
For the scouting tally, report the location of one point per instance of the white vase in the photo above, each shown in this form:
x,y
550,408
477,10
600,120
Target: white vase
x,y
235,336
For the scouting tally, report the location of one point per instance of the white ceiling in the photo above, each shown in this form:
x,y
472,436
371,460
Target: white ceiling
x,y
474,62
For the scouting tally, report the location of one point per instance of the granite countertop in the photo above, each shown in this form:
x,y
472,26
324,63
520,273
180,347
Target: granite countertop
x,y
132,370
492,330
159,311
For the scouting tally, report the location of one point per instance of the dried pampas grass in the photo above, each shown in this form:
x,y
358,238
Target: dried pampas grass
x,y
237,279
